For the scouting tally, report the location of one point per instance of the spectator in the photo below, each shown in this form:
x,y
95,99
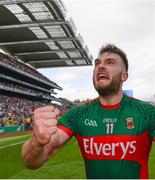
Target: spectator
x,y
14,110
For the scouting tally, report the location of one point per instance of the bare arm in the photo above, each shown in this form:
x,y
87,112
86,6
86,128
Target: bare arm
x,y
46,140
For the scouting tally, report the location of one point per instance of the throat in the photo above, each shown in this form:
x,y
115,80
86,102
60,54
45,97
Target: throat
x,y
111,102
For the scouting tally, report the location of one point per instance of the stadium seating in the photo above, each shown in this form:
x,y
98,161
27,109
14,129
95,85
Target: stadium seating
x,y
23,89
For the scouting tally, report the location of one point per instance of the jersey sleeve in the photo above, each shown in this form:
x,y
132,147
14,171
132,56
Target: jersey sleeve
x,y
67,122
154,135
152,123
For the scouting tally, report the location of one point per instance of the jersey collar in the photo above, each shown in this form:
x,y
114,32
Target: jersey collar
x,y
115,106
110,107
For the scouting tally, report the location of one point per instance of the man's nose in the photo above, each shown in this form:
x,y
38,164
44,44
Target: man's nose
x,y
102,65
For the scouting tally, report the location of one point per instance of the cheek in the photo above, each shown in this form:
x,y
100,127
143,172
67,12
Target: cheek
x,y
117,77
94,73
93,77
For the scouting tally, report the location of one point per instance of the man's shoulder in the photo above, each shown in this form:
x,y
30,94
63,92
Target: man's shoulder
x,y
91,101
143,105
85,107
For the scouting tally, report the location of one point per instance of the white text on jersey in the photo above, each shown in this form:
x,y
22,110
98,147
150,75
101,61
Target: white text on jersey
x,y
108,149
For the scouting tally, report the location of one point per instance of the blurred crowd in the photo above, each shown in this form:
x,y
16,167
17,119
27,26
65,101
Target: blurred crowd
x,y
14,111
18,87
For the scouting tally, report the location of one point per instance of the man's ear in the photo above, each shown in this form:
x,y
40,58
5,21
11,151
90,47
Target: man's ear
x,y
124,76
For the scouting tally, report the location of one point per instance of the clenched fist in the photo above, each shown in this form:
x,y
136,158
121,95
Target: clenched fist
x,y
45,124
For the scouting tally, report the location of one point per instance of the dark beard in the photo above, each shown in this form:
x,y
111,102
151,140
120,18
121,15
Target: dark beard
x,y
112,89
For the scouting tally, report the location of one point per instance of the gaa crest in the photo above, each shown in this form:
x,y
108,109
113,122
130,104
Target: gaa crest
x,y
130,123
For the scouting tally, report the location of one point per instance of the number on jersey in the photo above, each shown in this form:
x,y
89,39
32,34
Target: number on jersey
x,y
110,128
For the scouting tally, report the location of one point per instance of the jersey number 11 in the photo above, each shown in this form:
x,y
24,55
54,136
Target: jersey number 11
x,y
110,128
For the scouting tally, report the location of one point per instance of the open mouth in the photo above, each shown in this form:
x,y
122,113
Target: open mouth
x,y
102,76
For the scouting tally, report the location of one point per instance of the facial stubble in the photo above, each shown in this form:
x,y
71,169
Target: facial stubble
x,y
111,89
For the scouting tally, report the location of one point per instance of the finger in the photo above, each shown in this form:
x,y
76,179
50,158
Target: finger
x,y
51,122
41,123
45,115
44,109
46,132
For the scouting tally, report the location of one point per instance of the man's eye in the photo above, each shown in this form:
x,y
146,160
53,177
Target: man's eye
x,y
97,63
110,62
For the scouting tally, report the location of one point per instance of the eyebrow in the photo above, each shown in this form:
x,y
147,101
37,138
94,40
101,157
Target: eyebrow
x,y
106,59
97,60
111,59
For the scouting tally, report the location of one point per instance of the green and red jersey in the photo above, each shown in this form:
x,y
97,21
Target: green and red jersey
x,y
115,141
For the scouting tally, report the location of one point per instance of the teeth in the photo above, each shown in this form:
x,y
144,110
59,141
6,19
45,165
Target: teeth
x,y
103,75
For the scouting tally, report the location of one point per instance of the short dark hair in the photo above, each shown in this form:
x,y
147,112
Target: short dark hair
x,y
111,48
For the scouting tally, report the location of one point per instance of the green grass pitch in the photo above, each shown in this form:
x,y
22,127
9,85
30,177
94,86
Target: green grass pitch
x,y
67,164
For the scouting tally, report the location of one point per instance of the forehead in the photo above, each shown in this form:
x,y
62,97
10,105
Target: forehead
x,y
107,55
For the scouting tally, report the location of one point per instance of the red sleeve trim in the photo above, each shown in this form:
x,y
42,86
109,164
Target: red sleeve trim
x,y
66,130
154,139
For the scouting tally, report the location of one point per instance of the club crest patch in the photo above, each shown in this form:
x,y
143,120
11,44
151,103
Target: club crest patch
x,y
130,123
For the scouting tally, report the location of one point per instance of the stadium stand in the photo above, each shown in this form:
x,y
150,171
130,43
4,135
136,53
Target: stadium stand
x,y
45,37
22,89
13,72
19,66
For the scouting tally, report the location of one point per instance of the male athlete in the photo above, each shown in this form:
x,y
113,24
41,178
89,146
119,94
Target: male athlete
x,y
114,132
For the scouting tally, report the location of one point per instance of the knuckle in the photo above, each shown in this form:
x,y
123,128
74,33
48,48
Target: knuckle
x,y
44,109
37,110
49,108
44,115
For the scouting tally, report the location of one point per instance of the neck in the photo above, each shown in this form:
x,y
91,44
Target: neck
x,y
111,99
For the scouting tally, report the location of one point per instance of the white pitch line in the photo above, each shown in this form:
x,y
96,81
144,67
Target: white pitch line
x,y
2,147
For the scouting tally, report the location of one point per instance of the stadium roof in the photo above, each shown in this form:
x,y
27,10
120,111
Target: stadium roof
x,y
38,32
